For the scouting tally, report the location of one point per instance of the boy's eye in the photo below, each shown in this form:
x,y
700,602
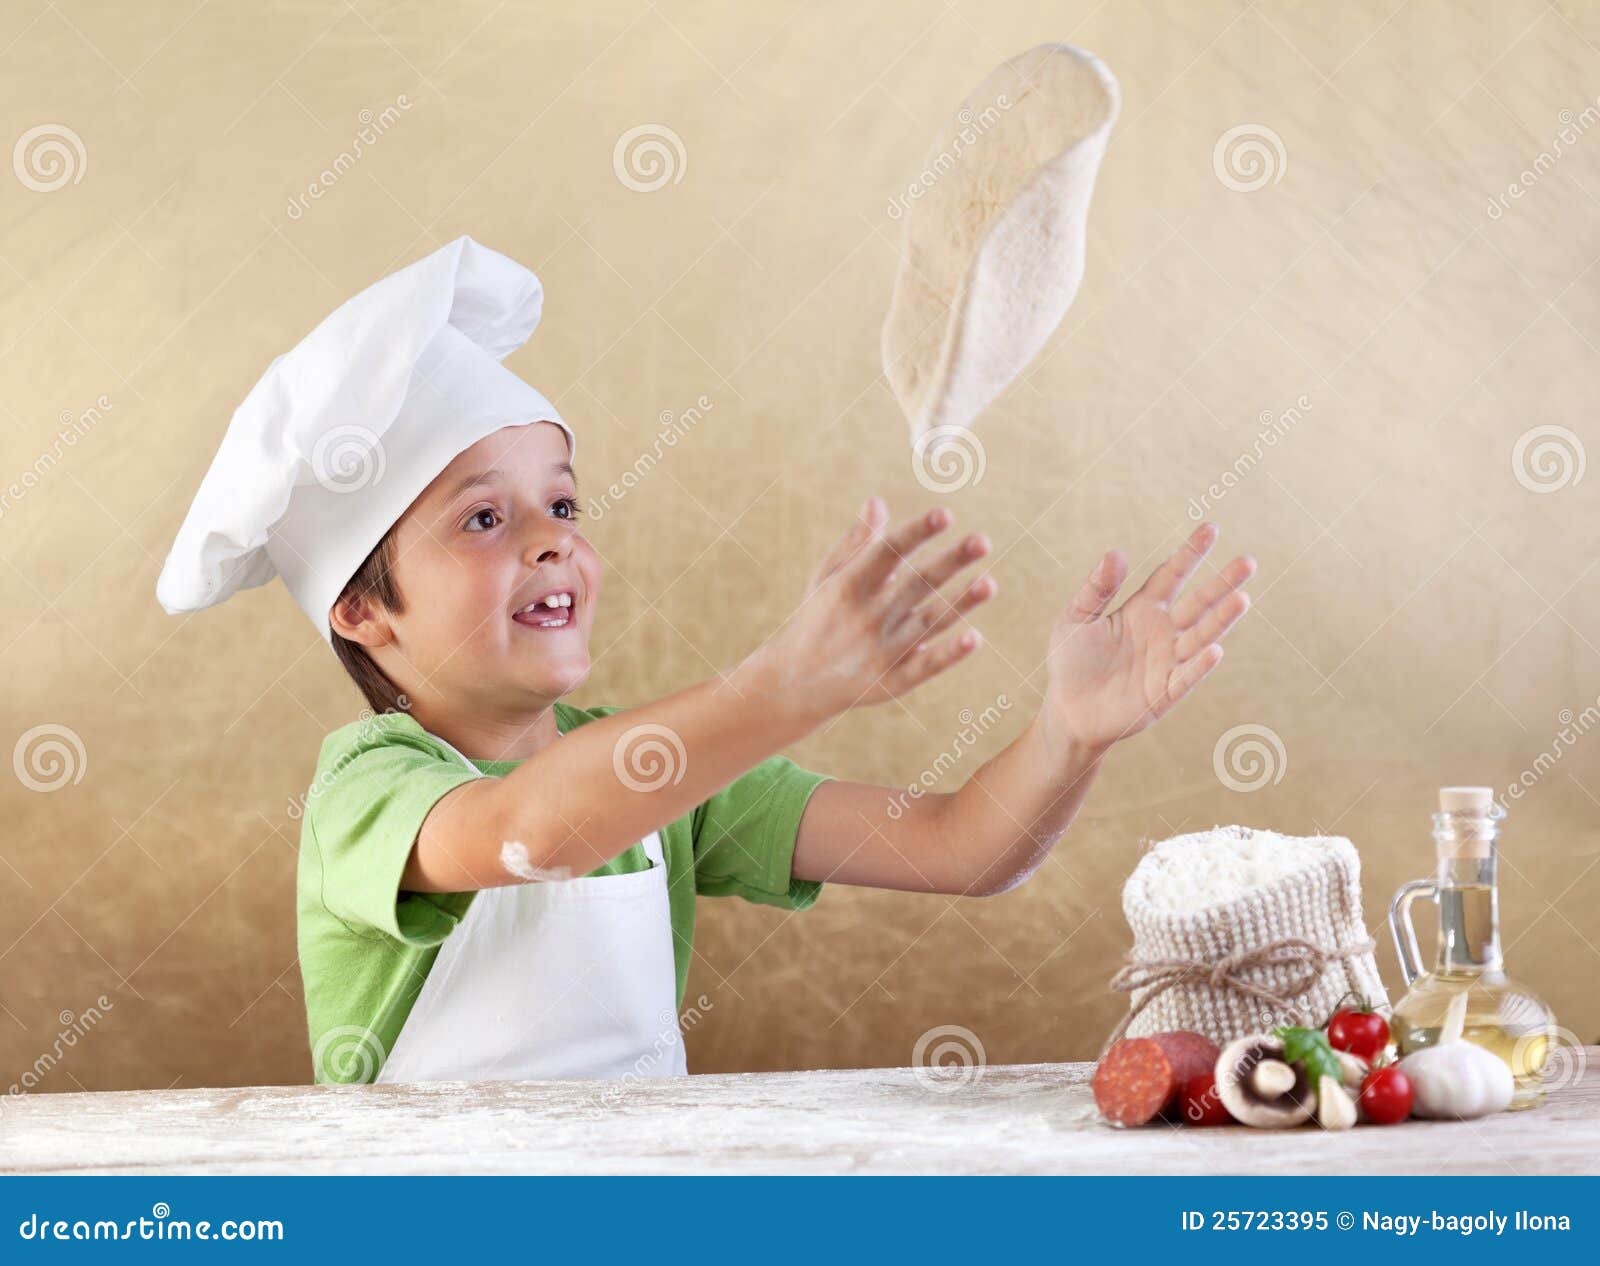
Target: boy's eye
x,y
476,522
571,506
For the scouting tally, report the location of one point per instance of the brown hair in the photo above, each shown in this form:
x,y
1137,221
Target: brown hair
x,y
374,579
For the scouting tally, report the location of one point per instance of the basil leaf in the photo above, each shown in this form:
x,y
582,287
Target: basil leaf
x,y
1309,1048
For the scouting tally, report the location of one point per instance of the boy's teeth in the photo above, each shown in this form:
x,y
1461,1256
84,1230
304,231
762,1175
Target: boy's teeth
x,y
558,605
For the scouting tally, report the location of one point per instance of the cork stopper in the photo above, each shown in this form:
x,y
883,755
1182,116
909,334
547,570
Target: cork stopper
x,y
1465,799
1472,829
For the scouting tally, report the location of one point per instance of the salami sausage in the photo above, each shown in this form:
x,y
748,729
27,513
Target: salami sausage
x,y
1141,1078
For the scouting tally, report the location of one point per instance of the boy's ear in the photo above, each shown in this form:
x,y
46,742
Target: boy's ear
x,y
358,619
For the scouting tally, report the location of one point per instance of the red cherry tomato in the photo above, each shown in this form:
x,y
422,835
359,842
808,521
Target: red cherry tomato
x,y
1359,1030
1385,1096
1201,1104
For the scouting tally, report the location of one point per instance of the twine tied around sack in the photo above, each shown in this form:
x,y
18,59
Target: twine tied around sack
x,y
1158,975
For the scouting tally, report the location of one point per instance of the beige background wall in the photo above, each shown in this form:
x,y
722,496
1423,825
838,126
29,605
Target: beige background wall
x,y
1426,612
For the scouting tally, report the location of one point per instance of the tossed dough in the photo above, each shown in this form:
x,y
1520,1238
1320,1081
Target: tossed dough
x,y
994,236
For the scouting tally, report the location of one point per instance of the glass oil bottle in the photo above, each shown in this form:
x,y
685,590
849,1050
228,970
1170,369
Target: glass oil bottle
x,y
1502,1015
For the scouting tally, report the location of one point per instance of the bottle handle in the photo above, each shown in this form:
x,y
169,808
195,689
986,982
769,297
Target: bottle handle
x,y
1405,935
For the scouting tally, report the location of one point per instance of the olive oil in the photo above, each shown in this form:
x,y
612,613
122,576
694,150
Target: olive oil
x,y
1502,1016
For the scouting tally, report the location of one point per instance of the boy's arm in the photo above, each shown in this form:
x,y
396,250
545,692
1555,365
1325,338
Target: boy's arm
x,y
605,785
983,839
868,630
1111,675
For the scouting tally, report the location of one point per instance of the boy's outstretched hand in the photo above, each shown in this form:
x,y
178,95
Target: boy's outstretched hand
x,y
1113,673
874,620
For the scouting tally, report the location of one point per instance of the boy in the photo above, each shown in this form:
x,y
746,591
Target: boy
x,y
494,884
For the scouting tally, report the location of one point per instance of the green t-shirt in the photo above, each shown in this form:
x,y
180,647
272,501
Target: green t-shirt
x,y
366,946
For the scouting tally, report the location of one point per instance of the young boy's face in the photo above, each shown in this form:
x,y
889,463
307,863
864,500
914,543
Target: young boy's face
x,y
496,530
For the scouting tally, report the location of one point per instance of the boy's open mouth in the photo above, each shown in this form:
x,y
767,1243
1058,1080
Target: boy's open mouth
x,y
552,610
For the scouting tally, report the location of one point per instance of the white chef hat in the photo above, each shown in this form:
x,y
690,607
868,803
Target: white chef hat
x,y
346,429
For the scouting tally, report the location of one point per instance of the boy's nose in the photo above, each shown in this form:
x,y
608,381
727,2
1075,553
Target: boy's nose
x,y
549,545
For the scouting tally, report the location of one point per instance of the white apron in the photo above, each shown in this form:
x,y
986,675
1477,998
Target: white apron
x,y
561,978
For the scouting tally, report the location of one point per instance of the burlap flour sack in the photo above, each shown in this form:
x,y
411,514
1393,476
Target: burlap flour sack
x,y
1237,931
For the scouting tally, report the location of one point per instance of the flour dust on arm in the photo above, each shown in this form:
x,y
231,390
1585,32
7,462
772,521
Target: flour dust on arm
x,y
516,862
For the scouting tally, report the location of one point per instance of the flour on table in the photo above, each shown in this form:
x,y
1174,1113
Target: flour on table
x,y
995,231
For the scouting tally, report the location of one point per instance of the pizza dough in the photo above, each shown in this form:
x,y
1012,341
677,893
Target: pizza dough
x,y
994,234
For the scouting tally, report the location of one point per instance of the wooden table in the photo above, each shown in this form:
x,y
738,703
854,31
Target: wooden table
x,y
1033,1118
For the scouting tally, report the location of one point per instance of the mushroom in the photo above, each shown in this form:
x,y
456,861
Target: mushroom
x,y
1259,1088
1272,1078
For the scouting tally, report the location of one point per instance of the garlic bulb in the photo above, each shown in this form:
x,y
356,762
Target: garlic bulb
x,y
1352,1071
1455,1078
1336,1110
